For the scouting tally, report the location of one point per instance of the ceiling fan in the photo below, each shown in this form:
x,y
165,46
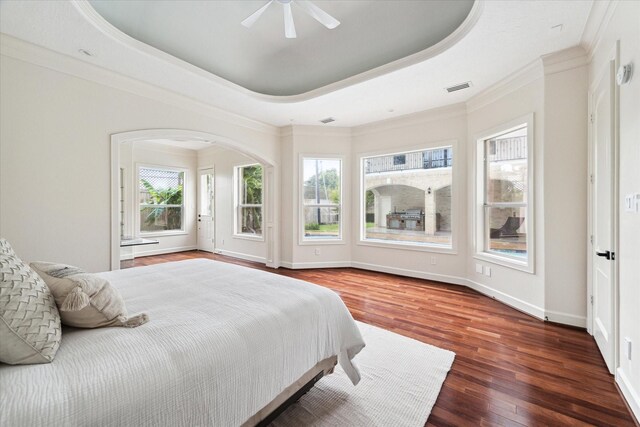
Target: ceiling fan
x,y
289,28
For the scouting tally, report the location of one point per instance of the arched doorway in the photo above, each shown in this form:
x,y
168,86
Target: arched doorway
x,y
271,183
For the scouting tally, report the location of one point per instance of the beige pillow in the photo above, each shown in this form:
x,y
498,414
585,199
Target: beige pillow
x,y
29,320
86,300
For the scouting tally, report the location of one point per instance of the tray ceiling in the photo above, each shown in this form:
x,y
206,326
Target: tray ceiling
x,y
208,35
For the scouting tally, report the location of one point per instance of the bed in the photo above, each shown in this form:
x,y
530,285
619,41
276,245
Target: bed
x,y
225,346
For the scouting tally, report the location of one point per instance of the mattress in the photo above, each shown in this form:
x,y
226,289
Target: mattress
x,y
221,343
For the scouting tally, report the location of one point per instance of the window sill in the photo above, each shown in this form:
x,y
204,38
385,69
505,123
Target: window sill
x,y
321,241
409,247
514,264
251,237
164,234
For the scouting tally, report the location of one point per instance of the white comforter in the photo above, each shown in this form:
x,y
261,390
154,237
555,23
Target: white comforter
x,y
222,342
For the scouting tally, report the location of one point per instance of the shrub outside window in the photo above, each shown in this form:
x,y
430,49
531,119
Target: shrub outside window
x,y
321,199
161,196
249,200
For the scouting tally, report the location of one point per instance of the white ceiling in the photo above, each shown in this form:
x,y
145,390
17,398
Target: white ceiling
x,y
261,59
497,39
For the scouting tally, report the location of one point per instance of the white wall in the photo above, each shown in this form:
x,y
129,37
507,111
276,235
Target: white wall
x,y
223,161
444,126
134,155
565,193
520,289
55,149
298,141
624,26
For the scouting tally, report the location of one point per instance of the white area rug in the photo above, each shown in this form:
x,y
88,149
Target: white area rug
x,y
401,380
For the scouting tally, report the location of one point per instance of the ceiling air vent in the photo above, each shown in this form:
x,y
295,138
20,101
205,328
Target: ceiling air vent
x,y
458,87
327,120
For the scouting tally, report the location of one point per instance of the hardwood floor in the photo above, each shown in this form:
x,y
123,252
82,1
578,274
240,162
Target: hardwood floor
x,y
510,369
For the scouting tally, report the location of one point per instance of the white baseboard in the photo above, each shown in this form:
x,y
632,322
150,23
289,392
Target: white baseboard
x,y
305,265
629,393
411,273
566,318
149,252
239,255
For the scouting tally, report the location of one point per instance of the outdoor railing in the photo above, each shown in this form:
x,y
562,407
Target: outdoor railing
x,y
428,159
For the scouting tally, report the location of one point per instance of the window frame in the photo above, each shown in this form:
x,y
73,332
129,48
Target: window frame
x,y
302,239
481,230
404,245
138,225
237,206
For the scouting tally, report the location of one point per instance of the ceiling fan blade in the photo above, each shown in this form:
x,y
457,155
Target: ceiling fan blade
x,y
251,19
318,14
289,27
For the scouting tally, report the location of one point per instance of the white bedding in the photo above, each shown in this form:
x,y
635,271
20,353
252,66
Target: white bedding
x,y
221,343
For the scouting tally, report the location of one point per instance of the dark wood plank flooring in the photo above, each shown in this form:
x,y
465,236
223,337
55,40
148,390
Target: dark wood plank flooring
x,y
510,369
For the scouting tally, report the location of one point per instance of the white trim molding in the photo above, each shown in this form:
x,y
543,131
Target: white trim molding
x,y
628,392
239,255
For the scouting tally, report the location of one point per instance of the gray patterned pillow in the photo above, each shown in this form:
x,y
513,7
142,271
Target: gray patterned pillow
x,y
29,320
5,247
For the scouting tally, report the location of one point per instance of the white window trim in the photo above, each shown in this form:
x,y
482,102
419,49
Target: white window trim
x,y
419,247
479,232
183,230
237,205
305,241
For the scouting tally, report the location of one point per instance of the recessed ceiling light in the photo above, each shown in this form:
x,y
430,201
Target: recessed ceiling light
x,y
85,52
327,120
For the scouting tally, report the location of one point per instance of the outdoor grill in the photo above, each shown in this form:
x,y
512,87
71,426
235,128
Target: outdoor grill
x,y
410,219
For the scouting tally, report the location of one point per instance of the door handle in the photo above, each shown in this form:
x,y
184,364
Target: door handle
x,y
607,254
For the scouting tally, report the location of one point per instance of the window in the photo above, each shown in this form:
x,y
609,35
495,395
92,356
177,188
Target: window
x,y
249,200
321,199
407,198
161,195
504,197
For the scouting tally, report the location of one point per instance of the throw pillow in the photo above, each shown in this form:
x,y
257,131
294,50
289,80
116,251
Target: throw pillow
x,y
86,300
29,320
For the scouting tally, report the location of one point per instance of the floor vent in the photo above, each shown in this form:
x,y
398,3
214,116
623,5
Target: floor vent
x,y
327,120
459,87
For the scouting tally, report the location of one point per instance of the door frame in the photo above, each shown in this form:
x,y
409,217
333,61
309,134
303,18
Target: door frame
x,y
614,56
213,210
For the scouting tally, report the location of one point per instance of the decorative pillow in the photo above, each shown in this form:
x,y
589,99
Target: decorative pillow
x,y
5,247
29,320
86,300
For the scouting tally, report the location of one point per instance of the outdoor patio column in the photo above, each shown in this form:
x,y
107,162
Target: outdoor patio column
x,y
429,213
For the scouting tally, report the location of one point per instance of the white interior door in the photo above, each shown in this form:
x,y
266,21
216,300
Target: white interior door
x,y
206,228
603,218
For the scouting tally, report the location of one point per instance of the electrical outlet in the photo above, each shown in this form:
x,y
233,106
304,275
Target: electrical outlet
x,y
487,271
627,347
479,268
317,251
433,260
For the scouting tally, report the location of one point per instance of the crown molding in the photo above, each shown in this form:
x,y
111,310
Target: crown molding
x,y
598,20
27,52
564,60
413,119
527,74
309,130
